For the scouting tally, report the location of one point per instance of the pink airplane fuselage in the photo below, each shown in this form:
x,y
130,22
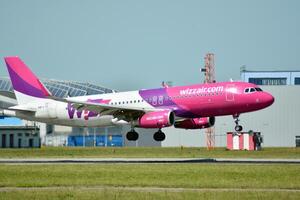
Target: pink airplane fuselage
x,y
207,100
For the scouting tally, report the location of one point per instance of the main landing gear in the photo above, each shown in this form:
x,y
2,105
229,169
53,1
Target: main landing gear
x,y
159,136
132,135
237,128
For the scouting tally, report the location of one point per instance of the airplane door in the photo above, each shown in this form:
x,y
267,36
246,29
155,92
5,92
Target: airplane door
x,y
229,92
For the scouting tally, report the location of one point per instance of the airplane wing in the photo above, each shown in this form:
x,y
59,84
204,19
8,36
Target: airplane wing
x,y
106,109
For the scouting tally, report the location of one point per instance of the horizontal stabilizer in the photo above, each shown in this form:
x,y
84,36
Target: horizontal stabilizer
x,y
22,108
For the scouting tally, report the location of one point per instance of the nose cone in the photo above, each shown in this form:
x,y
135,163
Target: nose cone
x,y
267,99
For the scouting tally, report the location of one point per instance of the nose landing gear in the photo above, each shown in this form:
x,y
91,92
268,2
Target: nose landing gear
x,y
237,128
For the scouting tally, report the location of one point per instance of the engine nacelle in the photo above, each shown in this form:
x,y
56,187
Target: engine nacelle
x,y
157,119
196,123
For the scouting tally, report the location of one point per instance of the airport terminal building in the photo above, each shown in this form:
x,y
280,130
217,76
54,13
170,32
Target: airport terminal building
x,y
277,123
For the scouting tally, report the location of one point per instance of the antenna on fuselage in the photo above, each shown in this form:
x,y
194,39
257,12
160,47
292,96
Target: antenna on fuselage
x,y
167,84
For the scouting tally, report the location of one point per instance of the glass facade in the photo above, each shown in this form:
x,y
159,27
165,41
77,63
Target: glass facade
x,y
268,81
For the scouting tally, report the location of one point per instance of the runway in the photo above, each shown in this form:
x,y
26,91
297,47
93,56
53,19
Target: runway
x,y
146,160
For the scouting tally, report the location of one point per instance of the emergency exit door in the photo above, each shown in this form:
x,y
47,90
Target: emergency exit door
x,y
230,91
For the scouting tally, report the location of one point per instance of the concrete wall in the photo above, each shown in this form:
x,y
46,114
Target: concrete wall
x,y
279,122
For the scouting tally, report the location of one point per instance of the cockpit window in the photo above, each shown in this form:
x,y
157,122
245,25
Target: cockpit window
x,y
258,89
250,90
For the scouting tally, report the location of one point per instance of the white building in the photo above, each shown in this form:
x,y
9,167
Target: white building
x,y
271,77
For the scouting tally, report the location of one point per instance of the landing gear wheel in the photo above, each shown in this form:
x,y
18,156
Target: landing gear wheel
x,y
132,135
159,136
238,128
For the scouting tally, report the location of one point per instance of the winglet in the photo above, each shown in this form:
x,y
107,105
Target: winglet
x,y
23,79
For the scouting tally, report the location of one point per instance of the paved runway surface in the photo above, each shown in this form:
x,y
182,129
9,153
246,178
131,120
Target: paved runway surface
x,y
146,160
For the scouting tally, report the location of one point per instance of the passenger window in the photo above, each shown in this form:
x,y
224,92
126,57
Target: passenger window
x,y
154,100
160,100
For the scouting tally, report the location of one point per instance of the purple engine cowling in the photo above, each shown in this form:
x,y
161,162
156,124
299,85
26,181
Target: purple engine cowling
x,y
157,119
196,123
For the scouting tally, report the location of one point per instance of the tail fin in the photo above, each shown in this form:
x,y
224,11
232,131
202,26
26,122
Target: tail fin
x,y
26,85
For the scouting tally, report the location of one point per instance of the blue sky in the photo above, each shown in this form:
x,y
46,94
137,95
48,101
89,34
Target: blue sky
x,y
134,44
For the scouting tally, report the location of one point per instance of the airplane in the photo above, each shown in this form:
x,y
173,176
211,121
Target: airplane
x,y
187,107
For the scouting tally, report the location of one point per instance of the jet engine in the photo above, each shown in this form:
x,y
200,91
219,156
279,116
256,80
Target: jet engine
x,y
196,123
156,119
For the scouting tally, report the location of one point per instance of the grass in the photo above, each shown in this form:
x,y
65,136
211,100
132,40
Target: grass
x,y
120,194
148,152
76,181
153,175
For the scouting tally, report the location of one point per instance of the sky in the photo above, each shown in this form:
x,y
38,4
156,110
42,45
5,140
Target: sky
x,y
134,44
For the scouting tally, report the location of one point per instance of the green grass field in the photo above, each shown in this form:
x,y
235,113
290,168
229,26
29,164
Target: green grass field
x,y
148,152
124,181
74,181
121,194
154,175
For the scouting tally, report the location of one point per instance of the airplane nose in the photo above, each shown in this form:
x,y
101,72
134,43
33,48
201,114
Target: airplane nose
x,y
268,99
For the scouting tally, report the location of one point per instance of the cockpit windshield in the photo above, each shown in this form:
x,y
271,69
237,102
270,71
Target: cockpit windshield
x,y
251,90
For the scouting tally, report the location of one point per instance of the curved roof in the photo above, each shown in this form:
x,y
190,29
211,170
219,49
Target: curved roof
x,y
58,88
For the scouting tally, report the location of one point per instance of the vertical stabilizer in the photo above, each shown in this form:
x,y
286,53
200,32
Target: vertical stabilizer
x,y
27,86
